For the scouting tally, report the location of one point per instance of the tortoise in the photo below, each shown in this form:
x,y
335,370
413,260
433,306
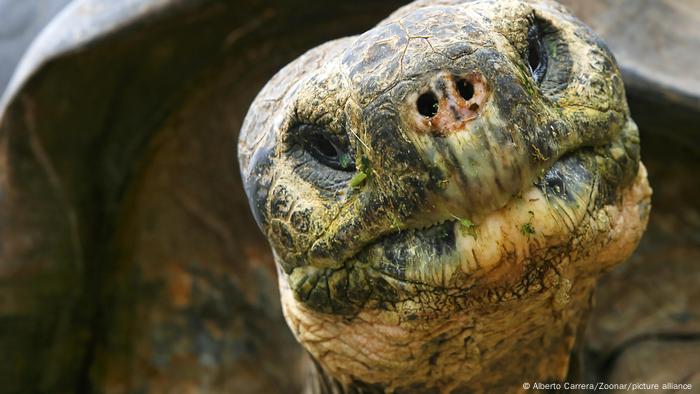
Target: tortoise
x,y
130,259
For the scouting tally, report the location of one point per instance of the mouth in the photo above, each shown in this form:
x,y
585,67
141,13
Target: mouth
x,y
452,258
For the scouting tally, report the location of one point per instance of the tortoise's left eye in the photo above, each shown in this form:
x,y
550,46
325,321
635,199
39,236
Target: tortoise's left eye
x,y
536,53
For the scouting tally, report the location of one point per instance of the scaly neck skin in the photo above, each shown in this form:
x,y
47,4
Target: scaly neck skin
x,y
496,346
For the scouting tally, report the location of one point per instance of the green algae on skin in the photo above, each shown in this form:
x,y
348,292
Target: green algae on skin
x,y
364,172
467,226
344,160
358,179
528,229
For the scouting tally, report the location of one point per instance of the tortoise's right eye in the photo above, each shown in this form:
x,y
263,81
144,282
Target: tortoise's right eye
x,y
326,148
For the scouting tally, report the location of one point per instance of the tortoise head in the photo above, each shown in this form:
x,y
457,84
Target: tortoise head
x,y
442,192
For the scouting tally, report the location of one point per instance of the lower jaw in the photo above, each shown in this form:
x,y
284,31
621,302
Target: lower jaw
x,y
516,323
505,256
501,248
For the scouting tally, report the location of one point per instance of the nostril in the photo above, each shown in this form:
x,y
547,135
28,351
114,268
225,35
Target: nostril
x,y
466,89
449,102
427,104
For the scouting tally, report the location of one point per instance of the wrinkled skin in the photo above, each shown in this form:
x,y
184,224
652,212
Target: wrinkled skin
x,y
442,192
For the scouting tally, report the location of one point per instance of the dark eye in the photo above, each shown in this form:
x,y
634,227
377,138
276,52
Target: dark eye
x,y
536,53
326,148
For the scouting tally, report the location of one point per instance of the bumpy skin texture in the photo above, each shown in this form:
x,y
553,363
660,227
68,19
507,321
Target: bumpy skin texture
x,y
442,192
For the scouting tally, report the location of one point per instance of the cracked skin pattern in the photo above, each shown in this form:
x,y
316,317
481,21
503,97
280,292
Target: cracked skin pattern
x,y
464,257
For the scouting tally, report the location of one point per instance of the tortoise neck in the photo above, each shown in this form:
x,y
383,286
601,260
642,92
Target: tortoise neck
x,y
492,348
508,350
321,382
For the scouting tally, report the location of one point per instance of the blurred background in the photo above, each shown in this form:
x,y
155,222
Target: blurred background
x,y
129,262
21,22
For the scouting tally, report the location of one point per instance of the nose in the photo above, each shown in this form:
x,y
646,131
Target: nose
x,y
450,102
